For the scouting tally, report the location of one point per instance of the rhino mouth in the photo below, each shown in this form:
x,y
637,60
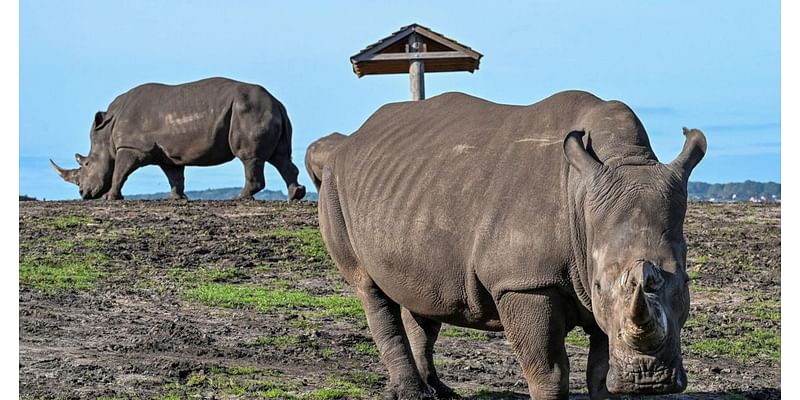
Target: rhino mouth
x,y
646,375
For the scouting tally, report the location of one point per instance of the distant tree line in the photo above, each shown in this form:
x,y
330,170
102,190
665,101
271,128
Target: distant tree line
x,y
742,190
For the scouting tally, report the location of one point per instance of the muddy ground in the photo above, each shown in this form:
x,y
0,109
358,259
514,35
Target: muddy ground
x,y
173,300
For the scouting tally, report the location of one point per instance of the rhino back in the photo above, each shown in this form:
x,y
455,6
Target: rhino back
x,y
189,124
470,190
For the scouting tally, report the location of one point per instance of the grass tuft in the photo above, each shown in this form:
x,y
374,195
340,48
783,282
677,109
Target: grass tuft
x,y
308,240
271,300
50,275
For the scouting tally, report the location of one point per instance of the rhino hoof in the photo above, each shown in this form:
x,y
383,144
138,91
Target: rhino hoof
x,y
296,192
111,196
444,392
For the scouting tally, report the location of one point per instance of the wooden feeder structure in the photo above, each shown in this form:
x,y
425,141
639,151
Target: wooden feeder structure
x,y
414,50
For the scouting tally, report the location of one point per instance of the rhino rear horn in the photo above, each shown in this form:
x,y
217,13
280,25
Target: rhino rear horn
x,y
69,175
693,151
79,158
577,155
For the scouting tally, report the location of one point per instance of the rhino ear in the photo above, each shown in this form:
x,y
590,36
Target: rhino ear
x,y
693,151
100,120
576,154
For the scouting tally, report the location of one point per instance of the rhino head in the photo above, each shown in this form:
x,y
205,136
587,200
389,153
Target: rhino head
x,y
94,172
636,263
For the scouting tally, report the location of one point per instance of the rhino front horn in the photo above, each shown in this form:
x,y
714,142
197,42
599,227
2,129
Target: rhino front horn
x,y
645,326
69,175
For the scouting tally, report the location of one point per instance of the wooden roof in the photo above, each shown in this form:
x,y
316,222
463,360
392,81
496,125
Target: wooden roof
x,y
390,54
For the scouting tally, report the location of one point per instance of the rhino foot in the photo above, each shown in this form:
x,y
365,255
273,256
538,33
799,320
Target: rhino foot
x,y
296,192
181,196
407,392
444,392
112,196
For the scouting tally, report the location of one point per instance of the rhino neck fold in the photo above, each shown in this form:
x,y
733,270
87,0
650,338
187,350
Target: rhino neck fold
x,y
579,267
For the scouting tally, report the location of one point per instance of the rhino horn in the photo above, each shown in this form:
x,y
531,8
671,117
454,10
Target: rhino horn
x,y
69,175
646,326
79,158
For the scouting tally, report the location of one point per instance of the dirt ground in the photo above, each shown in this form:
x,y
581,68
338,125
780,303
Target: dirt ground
x,y
173,300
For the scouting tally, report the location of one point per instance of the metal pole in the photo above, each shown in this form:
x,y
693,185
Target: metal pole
x,y
416,71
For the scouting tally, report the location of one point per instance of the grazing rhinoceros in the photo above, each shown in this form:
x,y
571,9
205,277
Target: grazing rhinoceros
x,y
529,219
318,153
208,122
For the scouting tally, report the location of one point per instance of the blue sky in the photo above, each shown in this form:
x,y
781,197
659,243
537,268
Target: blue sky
x,y
714,65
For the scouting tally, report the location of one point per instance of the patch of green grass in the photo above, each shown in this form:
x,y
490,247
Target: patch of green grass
x,y
269,300
50,275
308,240
577,338
276,393
91,243
456,332
327,352
338,389
242,370
758,343
64,245
68,222
701,260
364,378
367,348
196,379
693,275
278,341
769,310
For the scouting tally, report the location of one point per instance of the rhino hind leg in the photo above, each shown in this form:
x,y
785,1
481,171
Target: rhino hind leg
x,y
283,163
386,326
174,174
538,340
254,178
422,334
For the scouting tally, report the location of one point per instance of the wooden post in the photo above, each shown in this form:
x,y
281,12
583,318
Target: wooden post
x,y
416,71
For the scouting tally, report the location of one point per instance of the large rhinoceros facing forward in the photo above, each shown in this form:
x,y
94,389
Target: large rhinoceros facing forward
x,y
208,122
531,220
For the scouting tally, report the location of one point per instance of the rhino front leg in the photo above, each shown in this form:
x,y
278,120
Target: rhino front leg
x,y
125,162
422,334
386,326
174,174
597,365
254,178
535,325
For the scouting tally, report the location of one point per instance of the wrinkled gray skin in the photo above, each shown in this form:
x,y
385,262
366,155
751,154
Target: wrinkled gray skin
x,y
208,122
317,155
533,220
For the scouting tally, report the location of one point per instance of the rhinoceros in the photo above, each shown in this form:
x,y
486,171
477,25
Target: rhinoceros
x,y
318,153
528,219
207,122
